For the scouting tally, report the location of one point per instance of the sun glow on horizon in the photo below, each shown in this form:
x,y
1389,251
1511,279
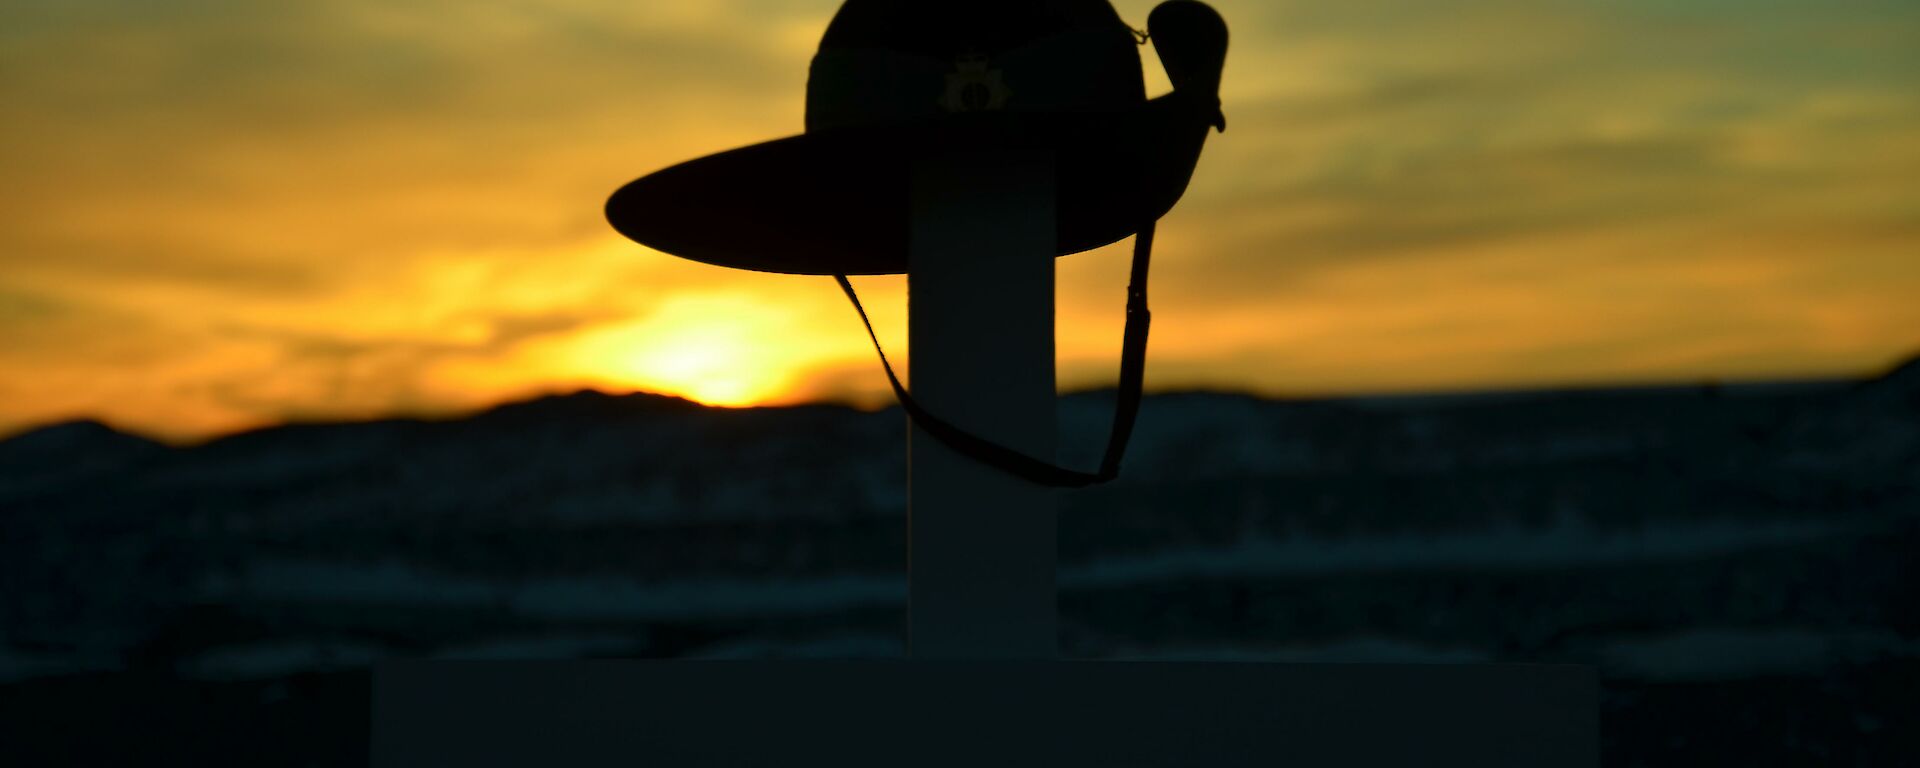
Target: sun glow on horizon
x,y
723,350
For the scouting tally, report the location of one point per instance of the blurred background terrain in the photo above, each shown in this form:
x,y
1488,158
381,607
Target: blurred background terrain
x,y
1736,559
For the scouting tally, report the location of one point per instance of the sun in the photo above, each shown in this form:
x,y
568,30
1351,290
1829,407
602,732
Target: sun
x,y
723,351
713,365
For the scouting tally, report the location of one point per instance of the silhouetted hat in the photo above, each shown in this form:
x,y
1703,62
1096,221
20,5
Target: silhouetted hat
x,y
895,81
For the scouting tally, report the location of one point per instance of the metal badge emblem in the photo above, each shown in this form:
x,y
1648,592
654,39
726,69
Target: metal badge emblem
x,y
972,87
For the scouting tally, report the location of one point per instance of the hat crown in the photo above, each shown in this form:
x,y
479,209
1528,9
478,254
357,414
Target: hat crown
x,y
884,61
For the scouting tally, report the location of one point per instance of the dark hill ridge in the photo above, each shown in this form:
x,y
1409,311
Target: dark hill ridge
x,y
1738,549
66,443
64,455
592,456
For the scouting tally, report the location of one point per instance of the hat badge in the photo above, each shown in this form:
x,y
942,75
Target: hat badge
x,y
973,87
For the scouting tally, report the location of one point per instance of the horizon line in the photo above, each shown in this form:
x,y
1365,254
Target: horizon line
x,y
1439,393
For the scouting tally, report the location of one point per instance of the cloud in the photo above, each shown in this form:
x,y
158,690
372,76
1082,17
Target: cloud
x,y
18,308
318,376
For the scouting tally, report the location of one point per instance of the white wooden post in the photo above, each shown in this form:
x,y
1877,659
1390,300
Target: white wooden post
x,y
980,281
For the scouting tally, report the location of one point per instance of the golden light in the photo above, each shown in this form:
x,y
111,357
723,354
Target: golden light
x,y
715,349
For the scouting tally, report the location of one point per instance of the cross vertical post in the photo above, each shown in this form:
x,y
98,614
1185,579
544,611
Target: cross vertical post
x,y
981,542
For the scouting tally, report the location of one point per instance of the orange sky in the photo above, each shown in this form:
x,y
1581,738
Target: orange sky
x,y
218,214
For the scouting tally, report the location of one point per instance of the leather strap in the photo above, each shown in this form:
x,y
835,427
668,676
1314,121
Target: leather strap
x,y
1133,359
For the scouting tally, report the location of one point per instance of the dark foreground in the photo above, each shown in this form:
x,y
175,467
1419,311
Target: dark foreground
x,y
1737,562
1858,716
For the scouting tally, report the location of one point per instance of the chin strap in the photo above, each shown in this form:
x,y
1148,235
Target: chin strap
x,y
1133,360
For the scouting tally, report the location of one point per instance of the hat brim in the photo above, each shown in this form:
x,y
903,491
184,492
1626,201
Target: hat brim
x,y
836,201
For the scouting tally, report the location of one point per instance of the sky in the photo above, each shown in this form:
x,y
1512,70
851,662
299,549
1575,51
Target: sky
x,y
217,215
